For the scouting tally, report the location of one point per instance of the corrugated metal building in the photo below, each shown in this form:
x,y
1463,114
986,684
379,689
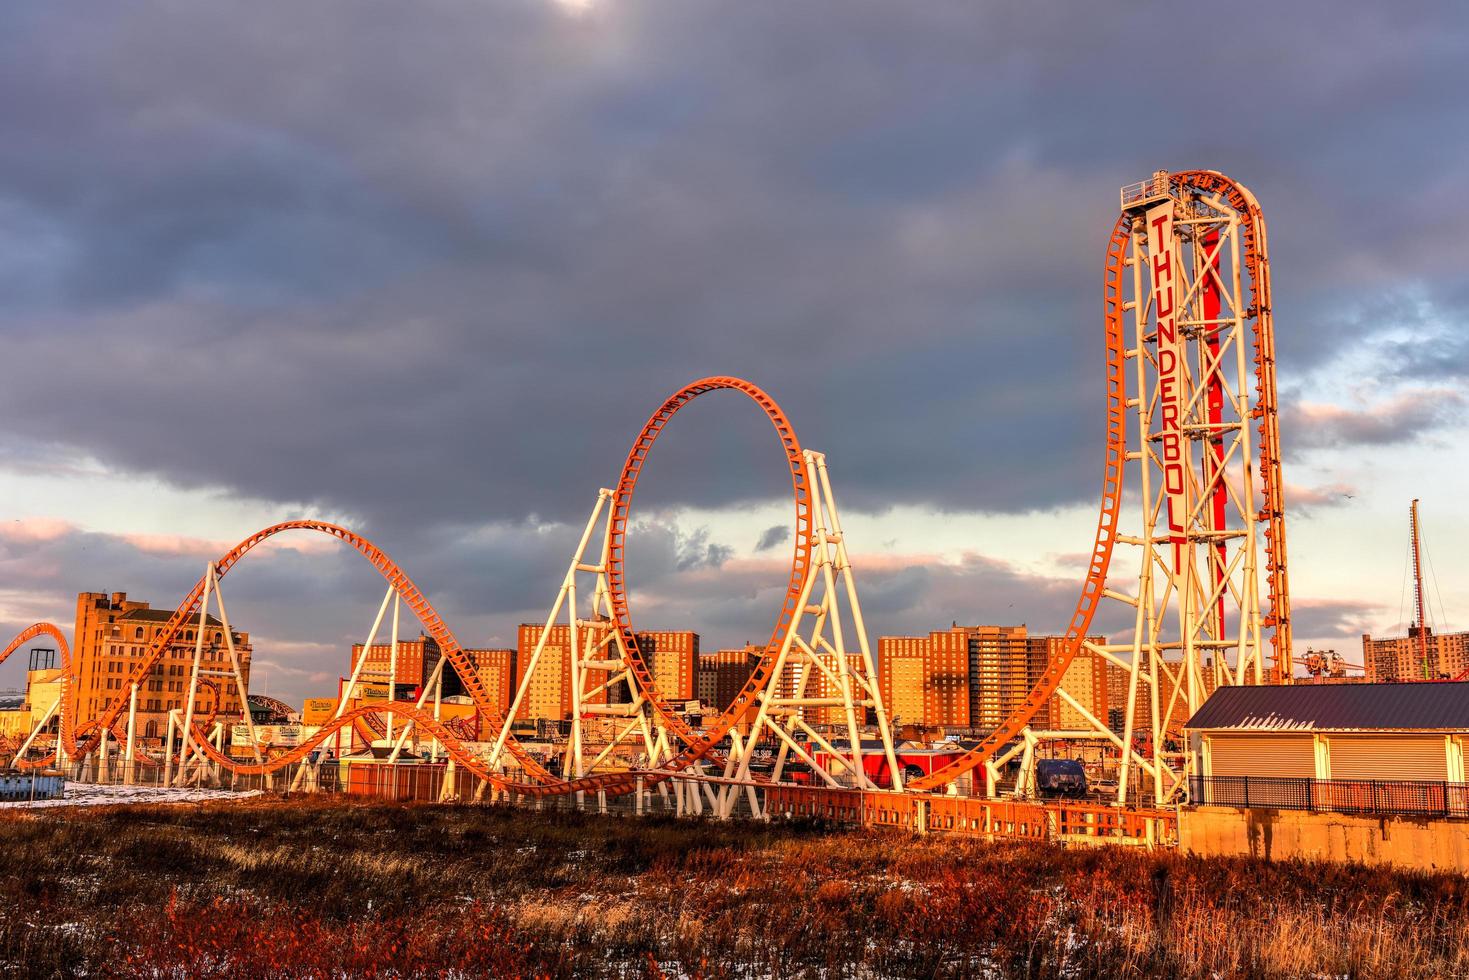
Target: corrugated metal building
x,y
1334,732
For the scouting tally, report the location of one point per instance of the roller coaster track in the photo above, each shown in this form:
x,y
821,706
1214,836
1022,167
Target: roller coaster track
x,y
542,783
696,745
700,745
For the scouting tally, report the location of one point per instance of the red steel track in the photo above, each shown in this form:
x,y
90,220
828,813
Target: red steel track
x,y
696,745
67,736
1255,259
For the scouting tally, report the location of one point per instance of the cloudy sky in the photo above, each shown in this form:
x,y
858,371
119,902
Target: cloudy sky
x,y
424,268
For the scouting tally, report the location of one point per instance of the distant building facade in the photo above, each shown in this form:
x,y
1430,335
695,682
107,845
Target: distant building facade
x,y
1401,658
415,664
723,674
1087,679
672,657
496,672
974,677
112,636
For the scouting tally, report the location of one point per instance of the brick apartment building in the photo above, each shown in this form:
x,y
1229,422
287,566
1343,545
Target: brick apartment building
x,y
415,663
113,633
496,672
671,655
974,677
417,660
723,674
1400,659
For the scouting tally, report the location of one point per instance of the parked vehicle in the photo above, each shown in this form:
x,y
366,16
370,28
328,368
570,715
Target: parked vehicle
x,y
1060,777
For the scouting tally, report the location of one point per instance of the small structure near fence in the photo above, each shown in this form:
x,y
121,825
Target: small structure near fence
x,y
17,786
1340,739
1347,772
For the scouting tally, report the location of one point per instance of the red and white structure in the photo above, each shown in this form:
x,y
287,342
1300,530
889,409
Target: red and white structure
x,y
1188,568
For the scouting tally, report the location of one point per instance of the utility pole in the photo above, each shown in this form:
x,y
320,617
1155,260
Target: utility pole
x,y
1422,620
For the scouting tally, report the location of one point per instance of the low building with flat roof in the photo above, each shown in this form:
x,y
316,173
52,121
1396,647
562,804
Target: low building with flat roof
x,y
1331,733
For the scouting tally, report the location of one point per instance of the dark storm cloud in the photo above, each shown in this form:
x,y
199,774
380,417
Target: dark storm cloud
x,y
432,264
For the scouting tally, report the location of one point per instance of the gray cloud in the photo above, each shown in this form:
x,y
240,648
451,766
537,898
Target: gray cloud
x,y
430,266
1405,417
394,261
772,536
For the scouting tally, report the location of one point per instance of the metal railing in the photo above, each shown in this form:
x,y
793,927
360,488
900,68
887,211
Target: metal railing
x,y
1142,190
1409,797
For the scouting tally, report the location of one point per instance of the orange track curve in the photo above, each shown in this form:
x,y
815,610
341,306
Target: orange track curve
x,y
696,746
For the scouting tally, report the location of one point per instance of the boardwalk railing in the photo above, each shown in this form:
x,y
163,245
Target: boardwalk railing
x,y
1404,797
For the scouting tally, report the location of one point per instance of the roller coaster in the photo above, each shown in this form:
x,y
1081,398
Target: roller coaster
x,y
1175,579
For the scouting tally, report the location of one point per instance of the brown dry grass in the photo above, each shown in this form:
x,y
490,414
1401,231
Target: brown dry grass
x,y
331,887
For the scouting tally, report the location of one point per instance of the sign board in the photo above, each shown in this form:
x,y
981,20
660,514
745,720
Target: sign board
x,y
280,735
318,711
1164,275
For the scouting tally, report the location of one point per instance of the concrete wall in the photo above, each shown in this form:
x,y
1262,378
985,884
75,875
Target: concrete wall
x,y
1407,842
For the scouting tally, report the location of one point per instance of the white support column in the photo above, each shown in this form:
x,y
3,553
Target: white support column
x,y
129,768
438,716
50,713
567,588
194,672
351,687
434,684
393,668
168,748
845,680
241,687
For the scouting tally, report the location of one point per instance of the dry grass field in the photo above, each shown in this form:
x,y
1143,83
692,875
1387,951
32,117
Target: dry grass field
x,y
329,887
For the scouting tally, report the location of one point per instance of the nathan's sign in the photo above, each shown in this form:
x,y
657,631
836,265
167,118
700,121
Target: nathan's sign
x,y
318,711
277,735
1163,269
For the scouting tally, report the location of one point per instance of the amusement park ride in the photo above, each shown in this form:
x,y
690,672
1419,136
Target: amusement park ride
x,y
1187,574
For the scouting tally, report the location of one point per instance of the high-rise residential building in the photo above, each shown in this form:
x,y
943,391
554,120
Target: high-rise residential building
x,y
1086,679
904,671
975,677
549,693
1000,668
671,656
828,687
113,633
1116,681
415,664
723,674
1401,658
496,672
927,680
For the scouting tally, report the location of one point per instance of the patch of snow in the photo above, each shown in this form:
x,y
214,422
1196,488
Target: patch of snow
x,y
93,794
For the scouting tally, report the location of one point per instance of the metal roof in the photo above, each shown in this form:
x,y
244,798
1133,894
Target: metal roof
x,y
1435,706
162,616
